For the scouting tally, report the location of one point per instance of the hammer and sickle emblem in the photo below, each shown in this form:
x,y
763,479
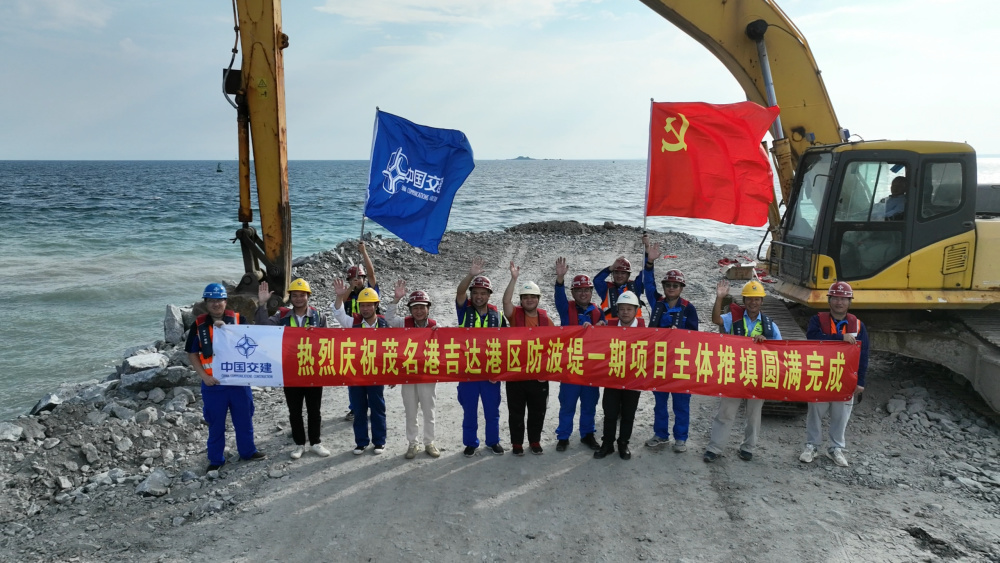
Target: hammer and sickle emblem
x,y
678,134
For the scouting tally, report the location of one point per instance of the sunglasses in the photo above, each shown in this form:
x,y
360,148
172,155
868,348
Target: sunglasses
x,y
672,285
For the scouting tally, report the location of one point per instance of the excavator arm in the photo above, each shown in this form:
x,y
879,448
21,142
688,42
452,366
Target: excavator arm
x,y
260,98
743,34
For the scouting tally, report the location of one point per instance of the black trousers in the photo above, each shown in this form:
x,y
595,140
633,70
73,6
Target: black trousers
x,y
533,395
619,403
313,396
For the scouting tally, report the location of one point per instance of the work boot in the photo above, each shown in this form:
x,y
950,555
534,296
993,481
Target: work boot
x,y
591,441
561,445
623,450
607,448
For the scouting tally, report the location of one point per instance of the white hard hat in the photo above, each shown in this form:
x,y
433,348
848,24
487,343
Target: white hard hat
x,y
529,288
628,298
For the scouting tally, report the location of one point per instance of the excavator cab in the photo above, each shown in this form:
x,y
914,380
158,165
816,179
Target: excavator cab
x,y
895,219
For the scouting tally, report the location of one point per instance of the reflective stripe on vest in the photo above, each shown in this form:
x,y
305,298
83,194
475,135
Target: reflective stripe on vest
x,y
206,361
764,327
492,319
828,325
677,317
611,308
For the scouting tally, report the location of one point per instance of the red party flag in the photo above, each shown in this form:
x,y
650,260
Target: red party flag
x,y
706,161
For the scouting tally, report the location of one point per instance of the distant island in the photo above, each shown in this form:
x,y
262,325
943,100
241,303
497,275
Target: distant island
x,y
523,158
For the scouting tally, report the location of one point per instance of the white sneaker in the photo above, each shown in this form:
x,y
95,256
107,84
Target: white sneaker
x,y
379,448
838,457
808,454
432,450
656,442
358,450
297,452
411,452
680,446
320,450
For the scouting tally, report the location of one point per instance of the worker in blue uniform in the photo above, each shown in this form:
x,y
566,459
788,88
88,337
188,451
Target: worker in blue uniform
x,y
220,400
581,312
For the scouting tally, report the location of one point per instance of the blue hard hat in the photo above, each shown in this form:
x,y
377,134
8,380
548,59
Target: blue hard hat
x,y
215,291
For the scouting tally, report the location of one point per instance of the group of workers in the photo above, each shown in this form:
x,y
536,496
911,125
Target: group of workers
x,y
358,306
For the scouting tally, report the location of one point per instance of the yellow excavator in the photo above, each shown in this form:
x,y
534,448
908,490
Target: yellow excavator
x,y
903,221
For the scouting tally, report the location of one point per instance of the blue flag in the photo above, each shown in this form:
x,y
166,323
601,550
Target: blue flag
x,y
415,173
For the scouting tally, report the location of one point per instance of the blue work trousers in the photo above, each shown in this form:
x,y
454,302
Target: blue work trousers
x,y
365,398
469,395
237,401
661,415
569,394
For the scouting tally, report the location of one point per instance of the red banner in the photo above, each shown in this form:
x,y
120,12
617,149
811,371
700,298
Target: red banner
x,y
644,359
706,161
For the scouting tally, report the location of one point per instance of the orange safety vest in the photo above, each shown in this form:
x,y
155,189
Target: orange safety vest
x,y
206,361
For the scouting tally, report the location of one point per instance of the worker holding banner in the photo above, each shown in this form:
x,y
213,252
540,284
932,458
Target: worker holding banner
x,y
365,398
620,403
837,324
474,311
220,400
742,321
581,312
358,278
423,395
301,314
670,310
531,394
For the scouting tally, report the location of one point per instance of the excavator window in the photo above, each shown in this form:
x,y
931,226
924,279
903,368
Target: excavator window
x,y
866,199
941,189
814,179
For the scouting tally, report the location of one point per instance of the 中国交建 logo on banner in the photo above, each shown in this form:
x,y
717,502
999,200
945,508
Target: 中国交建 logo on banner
x,y
400,177
246,346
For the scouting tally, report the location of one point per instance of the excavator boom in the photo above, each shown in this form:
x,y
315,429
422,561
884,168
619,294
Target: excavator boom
x,y
261,118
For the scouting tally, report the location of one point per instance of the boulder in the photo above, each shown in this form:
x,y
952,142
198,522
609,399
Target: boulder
x,y
157,395
147,415
120,411
46,403
173,325
156,484
10,432
143,362
895,405
150,379
140,349
90,452
33,430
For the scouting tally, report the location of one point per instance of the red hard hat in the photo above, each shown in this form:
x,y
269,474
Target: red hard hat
x,y
675,276
418,298
481,281
622,265
841,289
355,271
582,282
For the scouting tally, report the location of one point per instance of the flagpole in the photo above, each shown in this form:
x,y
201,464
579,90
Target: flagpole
x,y
371,163
649,161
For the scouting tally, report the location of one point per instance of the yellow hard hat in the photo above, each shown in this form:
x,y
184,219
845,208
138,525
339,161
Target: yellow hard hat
x,y
299,284
754,288
368,295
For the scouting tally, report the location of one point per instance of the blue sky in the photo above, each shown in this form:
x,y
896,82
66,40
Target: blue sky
x,y
121,79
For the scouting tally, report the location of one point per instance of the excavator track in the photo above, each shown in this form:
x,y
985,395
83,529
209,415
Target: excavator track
x,y
790,330
985,324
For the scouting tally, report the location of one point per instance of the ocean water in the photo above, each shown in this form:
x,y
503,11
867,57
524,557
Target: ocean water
x,y
93,251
